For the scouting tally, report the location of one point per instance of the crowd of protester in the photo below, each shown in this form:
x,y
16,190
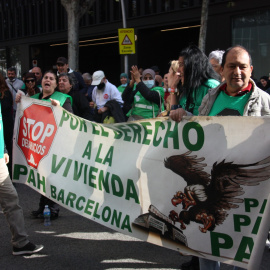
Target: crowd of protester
x,y
141,94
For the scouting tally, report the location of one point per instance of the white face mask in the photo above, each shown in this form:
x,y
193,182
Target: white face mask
x,y
149,83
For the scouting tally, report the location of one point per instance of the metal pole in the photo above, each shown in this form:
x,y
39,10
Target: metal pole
x,y
125,26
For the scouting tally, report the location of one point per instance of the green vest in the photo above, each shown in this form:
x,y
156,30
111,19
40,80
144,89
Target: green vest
x,y
229,105
61,97
197,96
145,108
121,89
1,135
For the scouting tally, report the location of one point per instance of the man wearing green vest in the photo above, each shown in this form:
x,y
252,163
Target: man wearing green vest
x,y
9,202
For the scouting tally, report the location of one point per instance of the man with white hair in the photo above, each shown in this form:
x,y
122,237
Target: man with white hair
x,y
215,58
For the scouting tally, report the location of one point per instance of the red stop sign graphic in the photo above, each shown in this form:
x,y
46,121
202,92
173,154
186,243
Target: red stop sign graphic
x,y
36,133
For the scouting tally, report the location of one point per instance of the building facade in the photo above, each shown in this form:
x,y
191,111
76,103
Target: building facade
x,y
34,32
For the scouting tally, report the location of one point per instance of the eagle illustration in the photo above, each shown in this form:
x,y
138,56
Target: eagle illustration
x,y
207,198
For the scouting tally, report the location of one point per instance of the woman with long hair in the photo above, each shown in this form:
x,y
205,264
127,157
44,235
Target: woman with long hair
x,y
194,77
49,93
188,85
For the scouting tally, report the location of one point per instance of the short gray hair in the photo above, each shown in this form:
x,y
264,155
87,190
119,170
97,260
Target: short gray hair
x,y
68,76
87,76
217,54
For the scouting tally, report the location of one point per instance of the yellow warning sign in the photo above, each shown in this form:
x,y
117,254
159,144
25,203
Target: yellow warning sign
x,y
126,39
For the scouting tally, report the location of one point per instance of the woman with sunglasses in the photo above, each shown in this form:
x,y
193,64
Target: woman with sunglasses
x,y
30,85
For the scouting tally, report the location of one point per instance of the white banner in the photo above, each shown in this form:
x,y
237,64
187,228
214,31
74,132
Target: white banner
x,y
200,186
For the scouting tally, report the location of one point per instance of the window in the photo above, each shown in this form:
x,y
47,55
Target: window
x,y
252,31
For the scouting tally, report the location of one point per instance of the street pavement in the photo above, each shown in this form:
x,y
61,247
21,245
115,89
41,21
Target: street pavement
x,y
74,242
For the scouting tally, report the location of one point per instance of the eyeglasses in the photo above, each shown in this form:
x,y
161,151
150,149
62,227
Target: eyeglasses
x,y
28,81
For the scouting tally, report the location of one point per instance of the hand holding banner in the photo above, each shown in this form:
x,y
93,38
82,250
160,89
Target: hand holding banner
x,y
200,186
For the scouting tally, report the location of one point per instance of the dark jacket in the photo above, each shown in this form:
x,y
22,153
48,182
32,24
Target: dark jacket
x,y
81,106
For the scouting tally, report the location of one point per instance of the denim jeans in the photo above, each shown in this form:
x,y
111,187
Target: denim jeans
x,y
9,202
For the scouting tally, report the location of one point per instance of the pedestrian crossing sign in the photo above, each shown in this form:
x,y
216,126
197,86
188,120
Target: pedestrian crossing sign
x,y
126,39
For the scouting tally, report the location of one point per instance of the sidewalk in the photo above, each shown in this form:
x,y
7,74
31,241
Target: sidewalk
x,y
74,242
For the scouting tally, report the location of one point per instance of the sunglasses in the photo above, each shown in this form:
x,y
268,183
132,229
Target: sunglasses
x,y
28,81
60,65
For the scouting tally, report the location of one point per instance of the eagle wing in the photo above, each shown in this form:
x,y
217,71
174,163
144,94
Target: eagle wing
x,y
228,179
189,167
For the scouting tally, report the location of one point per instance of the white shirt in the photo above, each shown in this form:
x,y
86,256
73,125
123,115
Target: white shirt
x,y
14,86
110,93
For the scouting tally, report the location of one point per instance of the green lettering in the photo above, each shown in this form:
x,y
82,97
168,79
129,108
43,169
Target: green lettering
x,y
82,125
65,117
55,167
98,159
77,173
131,191
88,206
85,173
31,178
95,131
103,132
53,192
125,130
41,182
96,215
116,218
78,206
92,176
226,243
117,133
61,196
137,136
171,134
257,225
19,170
70,199
126,224
116,181
263,206
73,126
157,125
109,156
103,182
249,203
106,214
87,151
241,254
240,220
146,132
200,136
67,168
